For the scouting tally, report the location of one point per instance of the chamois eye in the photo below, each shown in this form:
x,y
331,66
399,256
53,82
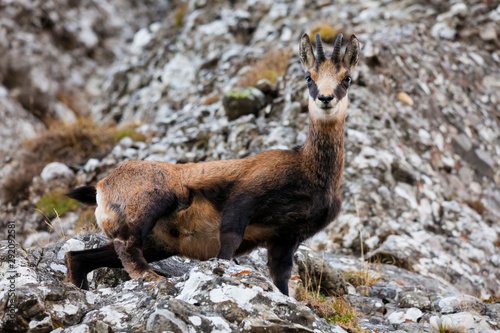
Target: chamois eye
x,y
308,79
347,81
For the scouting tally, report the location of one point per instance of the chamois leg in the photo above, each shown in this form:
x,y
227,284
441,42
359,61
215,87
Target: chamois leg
x,y
235,218
80,263
280,262
131,237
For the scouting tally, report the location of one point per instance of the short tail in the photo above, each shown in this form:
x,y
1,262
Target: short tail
x,y
84,194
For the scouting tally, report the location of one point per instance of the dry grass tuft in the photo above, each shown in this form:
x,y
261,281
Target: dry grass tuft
x,y
363,277
327,33
336,310
272,65
72,144
86,223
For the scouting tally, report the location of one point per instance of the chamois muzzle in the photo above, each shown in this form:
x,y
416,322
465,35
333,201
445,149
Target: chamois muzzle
x,y
325,99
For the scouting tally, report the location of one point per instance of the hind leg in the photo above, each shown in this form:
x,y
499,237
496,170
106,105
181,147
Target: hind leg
x,y
133,260
80,263
142,215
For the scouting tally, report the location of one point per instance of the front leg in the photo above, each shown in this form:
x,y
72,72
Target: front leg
x,y
235,219
280,261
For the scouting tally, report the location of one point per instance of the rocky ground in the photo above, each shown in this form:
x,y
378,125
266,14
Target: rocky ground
x,y
420,190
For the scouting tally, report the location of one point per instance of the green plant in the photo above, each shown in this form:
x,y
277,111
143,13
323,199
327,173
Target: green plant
x,y
203,141
55,203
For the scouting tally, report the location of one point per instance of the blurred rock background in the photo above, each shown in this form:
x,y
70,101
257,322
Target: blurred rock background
x,y
86,85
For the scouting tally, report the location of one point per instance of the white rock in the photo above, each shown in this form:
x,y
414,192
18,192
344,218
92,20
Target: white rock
x,y
70,245
126,142
397,317
141,38
56,170
91,165
459,9
413,314
442,30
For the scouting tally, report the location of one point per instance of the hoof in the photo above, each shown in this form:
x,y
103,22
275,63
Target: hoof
x,y
152,277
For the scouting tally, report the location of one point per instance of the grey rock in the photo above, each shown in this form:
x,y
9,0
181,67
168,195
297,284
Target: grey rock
x,y
367,306
454,304
492,311
319,273
419,300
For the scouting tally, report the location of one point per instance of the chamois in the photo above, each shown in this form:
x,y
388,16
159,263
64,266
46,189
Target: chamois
x,y
222,209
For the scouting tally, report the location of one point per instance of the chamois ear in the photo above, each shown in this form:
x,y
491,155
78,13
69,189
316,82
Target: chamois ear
x,y
351,55
306,53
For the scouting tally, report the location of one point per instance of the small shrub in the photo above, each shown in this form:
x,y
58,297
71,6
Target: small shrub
x,y
272,65
55,203
203,141
129,131
327,33
336,310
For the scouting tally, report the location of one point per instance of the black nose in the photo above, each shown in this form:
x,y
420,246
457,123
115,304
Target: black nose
x,y
325,99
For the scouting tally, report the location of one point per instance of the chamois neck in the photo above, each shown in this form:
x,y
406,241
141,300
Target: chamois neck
x,y
324,151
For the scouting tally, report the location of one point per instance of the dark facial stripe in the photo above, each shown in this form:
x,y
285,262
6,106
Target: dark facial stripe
x,y
340,91
313,89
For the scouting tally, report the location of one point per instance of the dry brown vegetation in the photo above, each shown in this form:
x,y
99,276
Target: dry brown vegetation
x,y
364,277
326,31
71,144
272,65
211,99
86,223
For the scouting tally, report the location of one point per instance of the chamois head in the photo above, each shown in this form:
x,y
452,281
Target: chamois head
x,y
328,78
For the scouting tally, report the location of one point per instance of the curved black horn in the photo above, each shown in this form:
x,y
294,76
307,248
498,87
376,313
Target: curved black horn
x,y
336,49
319,49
